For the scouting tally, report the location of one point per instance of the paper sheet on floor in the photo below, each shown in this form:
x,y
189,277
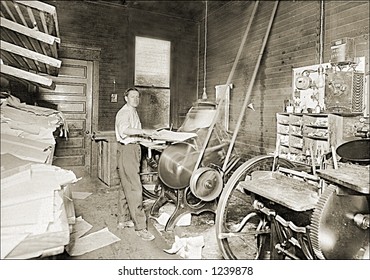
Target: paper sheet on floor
x,y
187,247
80,195
185,220
91,242
80,228
165,213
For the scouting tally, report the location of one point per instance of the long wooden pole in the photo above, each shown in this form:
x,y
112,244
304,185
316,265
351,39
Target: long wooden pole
x,y
222,98
250,87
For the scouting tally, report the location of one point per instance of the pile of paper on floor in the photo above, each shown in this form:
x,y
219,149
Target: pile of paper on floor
x,y
30,122
30,205
28,131
31,196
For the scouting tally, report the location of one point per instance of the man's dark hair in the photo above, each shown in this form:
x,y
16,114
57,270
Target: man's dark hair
x,y
130,89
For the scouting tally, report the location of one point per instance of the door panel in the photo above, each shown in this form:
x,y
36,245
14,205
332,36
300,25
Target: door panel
x,y
73,97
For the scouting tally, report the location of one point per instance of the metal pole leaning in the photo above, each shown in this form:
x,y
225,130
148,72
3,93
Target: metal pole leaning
x,y
250,87
222,98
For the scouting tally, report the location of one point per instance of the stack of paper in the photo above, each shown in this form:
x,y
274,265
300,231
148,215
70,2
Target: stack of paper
x,y
173,136
31,204
33,218
30,122
27,131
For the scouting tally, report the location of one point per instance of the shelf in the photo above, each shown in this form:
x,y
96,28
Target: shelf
x,y
299,140
317,126
317,137
316,115
297,135
30,41
297,147
22,75
283,133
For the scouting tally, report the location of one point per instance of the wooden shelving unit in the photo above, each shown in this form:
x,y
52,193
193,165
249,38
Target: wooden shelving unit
x,y
29,42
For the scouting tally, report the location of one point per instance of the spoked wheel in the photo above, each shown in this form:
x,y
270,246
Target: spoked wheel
x,y
241,232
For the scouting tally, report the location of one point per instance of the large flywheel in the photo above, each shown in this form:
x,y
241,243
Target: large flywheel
x,y
241,232
176,165
334,234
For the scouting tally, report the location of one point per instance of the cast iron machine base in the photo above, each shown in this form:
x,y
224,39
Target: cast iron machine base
x,y
183,206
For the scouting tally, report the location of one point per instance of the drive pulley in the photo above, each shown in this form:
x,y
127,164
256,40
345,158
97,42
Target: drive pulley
x,y
206,183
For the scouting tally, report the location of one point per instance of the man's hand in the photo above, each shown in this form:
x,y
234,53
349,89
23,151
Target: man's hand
x,y
149,132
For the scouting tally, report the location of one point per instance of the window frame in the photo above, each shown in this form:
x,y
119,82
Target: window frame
x,y
144,87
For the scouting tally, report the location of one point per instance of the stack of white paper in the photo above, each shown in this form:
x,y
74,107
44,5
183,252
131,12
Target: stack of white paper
x,y
30,204
30,122
33,219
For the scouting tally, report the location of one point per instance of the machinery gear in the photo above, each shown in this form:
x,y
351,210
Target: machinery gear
x,y
333,233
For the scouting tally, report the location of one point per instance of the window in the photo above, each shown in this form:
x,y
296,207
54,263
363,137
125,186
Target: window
x,y
152,78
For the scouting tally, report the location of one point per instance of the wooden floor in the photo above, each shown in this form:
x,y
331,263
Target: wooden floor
x,y
99,210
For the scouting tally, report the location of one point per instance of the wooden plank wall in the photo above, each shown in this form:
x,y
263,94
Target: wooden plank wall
x,y
293,42
112,29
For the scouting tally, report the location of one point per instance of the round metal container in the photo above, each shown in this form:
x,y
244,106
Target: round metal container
x,y
355,151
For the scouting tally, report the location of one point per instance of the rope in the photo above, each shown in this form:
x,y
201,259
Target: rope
x,y
222,98
204,96
250,87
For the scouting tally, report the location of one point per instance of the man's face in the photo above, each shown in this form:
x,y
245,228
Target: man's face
x,y
133,98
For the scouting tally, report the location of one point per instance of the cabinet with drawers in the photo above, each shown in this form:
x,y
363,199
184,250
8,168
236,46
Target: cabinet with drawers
x,y
306,136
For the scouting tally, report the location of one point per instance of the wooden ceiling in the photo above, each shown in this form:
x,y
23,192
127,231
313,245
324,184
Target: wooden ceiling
x,y
189,10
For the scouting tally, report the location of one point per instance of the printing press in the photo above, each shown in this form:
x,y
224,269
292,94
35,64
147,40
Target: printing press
x,y
289,214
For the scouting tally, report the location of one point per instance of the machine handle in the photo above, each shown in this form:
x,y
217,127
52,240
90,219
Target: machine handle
x,y
362,221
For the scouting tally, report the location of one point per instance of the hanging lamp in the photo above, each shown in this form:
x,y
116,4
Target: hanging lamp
x,y
204,94
320,70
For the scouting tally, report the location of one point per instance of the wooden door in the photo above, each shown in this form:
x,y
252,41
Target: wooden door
x,y
73,97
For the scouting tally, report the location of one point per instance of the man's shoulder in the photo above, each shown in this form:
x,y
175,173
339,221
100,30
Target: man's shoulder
x,y
123,110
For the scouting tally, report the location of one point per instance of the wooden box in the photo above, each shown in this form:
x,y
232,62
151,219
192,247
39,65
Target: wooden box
x,y
107,160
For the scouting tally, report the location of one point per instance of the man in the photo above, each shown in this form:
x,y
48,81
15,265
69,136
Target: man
x,y
129,133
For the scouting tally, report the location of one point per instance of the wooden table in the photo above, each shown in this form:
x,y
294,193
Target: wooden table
x,y
292,193
353,177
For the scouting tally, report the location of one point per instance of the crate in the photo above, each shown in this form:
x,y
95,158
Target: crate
x,y
107,162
